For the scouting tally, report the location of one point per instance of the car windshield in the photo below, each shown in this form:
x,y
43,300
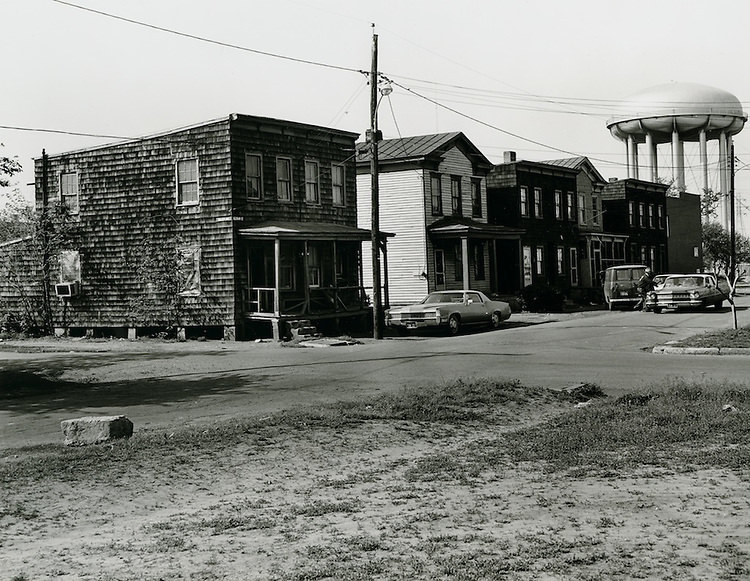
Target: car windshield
x,y
443,298
628,273
684,281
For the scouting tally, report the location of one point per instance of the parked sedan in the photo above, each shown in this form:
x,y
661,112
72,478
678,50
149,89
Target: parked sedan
x,y
450,310
688,291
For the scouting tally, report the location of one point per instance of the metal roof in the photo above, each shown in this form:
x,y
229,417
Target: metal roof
x,y
306,230
418,147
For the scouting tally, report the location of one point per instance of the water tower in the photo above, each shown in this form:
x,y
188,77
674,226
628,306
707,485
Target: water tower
x,y
676,113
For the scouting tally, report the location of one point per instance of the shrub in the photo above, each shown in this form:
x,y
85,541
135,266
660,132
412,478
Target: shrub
x,y
542,297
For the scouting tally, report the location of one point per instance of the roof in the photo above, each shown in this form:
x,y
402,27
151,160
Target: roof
x,y
457,227
580,163
421,147
306,231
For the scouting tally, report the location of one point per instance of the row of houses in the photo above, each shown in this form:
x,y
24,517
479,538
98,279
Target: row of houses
x,y
241,225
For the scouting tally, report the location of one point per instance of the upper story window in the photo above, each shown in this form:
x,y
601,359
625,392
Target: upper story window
x,y
284,179
651,222
69,191
253,178
436,194
538,202
581,209
558,205
476,198
641,214
524,201
570,205
312,182
456,203
594,210
187,181
631,213
338,181
660,216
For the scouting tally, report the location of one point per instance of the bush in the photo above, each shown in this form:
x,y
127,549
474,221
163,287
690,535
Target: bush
x,y
542,298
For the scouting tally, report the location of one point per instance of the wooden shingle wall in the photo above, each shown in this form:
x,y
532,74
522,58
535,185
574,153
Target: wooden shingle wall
x,y
127,201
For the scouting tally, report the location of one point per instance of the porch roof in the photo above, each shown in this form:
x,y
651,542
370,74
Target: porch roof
x,y
306,231
466,227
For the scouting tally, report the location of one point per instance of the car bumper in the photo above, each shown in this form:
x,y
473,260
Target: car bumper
x,y
676,304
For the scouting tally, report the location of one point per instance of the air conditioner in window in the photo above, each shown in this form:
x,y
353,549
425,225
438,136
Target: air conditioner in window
x,y
67,289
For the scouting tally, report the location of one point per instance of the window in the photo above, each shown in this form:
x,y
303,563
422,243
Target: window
x,y
594,210
644,256
573,266
456,202
641,215
631,214
190,270
479,261
187,182
524,201
476,198
538,202
312,182
70,266
69,191
439,267
253,179
284,179
338,181
570,207
459,262
313,265
558,205
581,209
436,194
660,216
560,260
539,261
651,223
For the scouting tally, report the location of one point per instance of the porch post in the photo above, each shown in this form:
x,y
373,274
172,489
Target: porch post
x,y
386,298
306,277
277,276
465,260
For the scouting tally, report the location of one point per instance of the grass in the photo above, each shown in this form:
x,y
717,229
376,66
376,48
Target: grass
x,y
725,338
439,482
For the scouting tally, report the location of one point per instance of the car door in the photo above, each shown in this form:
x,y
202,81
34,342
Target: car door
x,y
475,309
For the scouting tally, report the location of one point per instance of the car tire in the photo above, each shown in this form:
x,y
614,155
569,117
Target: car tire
x,y
454,324
719,305
496,320
657,310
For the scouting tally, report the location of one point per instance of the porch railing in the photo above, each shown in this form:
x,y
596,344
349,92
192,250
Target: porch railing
x,y
317,301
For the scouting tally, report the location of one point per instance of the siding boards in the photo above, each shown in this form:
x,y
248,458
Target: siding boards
x,y
402,213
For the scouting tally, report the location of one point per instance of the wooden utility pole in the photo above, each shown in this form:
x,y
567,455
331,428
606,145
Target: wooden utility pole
x,y
732,235
44,237
374,137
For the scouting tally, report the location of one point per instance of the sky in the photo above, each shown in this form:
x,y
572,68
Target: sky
x,y
538,77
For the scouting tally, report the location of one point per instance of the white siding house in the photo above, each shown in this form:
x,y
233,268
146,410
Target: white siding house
x,y
433,198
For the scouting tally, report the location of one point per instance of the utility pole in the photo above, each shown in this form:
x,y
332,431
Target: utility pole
x,y
373,138
732,235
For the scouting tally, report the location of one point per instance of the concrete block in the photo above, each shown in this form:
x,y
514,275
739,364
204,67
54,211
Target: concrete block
x,y
95,429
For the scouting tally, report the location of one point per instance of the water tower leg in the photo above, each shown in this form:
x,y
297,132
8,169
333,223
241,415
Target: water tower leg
x,y
723,157
632,149
653,162
678,162
704,158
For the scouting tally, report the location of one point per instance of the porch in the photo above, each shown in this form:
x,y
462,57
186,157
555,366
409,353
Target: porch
x,y
302,271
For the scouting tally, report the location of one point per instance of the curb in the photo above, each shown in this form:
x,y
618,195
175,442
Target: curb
x,y
670,350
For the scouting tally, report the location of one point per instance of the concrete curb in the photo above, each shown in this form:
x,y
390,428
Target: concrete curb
x,y
671,350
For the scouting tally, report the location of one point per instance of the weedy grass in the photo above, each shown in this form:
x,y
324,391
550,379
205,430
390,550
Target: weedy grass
x,y
724,338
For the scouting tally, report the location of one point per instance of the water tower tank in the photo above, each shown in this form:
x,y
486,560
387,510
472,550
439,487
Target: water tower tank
x,y
677,113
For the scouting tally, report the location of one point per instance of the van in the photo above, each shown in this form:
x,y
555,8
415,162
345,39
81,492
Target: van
x,y
620,285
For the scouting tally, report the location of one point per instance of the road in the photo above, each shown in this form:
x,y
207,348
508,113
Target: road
x,y
175,384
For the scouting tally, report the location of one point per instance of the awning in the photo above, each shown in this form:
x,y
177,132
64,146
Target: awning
x,y
455,227
306,231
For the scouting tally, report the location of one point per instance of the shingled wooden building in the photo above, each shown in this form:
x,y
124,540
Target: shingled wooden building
x,y
225,228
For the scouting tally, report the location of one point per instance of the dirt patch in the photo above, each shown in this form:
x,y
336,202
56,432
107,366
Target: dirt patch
x,y
371,500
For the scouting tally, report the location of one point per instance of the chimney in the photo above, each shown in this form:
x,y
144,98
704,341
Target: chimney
x,y
509,156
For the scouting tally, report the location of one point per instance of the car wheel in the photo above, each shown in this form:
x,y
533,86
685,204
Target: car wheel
x,y
719,305
402,331
657,310
454,324
496,320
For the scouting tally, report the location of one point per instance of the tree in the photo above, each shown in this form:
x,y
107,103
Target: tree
x,y
717,257
8,168
709,202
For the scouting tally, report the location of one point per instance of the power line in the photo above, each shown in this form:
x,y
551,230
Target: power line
x,y
62,132
209,40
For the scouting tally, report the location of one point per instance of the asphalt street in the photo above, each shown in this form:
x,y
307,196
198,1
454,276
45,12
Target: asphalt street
x,y
160,386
